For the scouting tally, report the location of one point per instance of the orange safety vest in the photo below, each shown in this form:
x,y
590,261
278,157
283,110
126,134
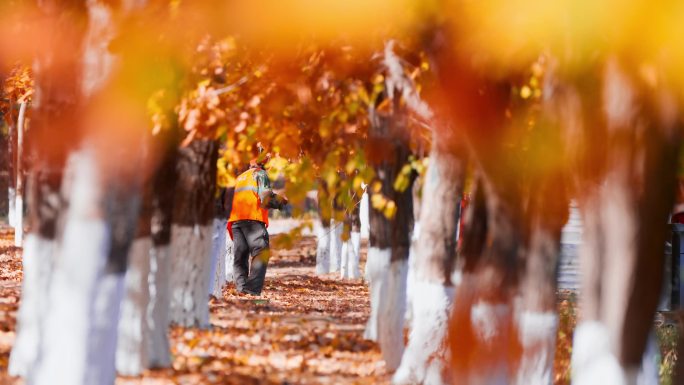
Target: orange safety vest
x,y
246,201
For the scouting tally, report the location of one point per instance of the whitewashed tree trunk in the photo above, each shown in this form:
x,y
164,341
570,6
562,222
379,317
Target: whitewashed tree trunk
x,y
323,249
132,352
391,313
80,331
537,334
19,198
425,359
190,259
230,258
377,270
218,268
11,206
364,206
624,206
37,264
411,275
350,256
336,229
421,363
158,309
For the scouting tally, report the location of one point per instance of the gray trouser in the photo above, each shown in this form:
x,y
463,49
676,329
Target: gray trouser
x,y
250,239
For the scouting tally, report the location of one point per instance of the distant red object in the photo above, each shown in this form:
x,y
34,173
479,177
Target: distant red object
x,y
678,218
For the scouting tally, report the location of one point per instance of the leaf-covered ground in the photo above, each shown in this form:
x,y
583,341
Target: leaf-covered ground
x,y
305,329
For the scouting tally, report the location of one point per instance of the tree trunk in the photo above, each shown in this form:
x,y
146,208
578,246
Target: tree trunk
x,y
133,345
389,239
536,317
87,284
323,237
631,206
163,195
425,359
19,198
191,233
11,172
218,258
412,260
336,228
103,196
351,247
57,90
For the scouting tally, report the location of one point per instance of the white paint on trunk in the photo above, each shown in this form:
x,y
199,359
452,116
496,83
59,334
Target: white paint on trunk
x,y
37,264
19,221
487,318
344,258
537,334
323,250
230,259
11,204
411,275
391,312
19,195
79,341
377,267
158,308
103,337
132,351
593,362
190,260
364,215
217,275
424,359
335,245
350,257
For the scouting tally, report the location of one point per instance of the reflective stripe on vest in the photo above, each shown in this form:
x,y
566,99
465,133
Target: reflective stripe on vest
x,y
246,201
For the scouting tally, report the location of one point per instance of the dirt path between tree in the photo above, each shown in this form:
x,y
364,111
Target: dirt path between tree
x,y
305,329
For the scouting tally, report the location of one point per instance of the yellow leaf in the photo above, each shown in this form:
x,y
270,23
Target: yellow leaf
x,y
390,209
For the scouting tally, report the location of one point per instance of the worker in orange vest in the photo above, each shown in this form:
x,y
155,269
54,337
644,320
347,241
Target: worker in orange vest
x,y
247,225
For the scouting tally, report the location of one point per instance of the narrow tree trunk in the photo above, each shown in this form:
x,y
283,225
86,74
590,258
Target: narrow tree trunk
x,y
230,258
323,237
351,247
133,345
425,359
536,317
11,172
218,258
163,195
19,198
336,228
389,237
412,260
191,233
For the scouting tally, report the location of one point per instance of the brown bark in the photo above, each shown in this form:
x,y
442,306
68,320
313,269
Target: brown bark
x,y
55,110
196,183
389,151
164,189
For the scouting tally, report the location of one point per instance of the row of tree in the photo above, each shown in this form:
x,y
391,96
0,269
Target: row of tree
x,y
526,122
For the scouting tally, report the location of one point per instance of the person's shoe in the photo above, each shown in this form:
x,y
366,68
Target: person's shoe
x,y
250,292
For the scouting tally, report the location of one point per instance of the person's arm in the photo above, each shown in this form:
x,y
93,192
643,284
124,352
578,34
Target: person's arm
x,y
269,199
